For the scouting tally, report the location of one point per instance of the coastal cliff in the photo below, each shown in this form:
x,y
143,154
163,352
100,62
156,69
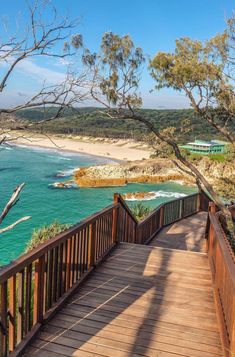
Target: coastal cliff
x,y
146,171
221,175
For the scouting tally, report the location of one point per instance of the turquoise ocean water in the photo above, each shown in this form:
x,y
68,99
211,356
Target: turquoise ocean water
x,y
38,169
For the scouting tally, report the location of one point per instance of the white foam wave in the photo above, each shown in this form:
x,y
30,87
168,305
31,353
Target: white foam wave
x,y
156,194
6,147
59,157
67,173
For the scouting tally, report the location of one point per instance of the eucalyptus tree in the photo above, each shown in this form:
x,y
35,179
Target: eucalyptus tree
x,y
115,74
205,73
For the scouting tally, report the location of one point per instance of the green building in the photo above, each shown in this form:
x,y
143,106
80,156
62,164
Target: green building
x,y
206,147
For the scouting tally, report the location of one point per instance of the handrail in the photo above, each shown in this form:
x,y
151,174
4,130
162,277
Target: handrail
x,y
37,252
36,285
118,198
144,231
222,262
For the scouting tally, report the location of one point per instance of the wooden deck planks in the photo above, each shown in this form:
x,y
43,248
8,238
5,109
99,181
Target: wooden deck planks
x,y
186,234
142,301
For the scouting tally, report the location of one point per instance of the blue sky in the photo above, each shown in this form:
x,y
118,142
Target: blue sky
x,y
153,25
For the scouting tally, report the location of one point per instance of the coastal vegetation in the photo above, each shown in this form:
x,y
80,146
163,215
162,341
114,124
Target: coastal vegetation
x,y
141,211
95,122
45,233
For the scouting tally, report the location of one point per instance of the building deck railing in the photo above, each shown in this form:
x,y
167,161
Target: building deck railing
x,y
34,287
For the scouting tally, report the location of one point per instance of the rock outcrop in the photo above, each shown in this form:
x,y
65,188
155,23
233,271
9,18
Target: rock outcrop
x,y
147,171
220,174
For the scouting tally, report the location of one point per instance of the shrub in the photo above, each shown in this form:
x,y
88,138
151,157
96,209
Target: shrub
x,y
45,233
141,211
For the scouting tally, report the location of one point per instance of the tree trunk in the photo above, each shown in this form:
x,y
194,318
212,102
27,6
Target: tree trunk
x,y
183,160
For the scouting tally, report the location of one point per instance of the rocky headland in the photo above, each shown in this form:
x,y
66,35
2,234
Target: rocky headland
x,y
144,171
220,174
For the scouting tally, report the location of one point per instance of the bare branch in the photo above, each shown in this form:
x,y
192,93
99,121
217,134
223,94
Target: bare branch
x,y
12,201
23,219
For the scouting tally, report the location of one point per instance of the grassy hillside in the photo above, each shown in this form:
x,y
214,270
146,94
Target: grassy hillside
x,y
91,121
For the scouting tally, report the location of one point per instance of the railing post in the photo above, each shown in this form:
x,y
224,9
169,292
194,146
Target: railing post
x,y
212,207
161,221
138,234
3,322
91,248
209,229
115,219
200,200
12,313
182,208
39,290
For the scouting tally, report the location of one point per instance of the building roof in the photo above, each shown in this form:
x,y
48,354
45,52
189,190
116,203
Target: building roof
x,y
201,143
207,143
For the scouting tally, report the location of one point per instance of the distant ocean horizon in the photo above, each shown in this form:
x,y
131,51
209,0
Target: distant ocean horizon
x,y
38,168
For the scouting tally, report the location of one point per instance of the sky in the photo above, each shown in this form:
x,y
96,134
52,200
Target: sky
x,y
154,25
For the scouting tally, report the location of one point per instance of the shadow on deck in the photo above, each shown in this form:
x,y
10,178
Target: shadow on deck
x,y
141,301
186,234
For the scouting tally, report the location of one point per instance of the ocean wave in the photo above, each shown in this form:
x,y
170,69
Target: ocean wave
x,y
64,185
58,157
7,147
157,194
66,173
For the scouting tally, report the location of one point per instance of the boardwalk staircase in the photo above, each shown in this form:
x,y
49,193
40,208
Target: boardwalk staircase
x,y
113,286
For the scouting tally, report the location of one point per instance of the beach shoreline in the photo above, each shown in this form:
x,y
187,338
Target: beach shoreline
x,y
63,151
114,149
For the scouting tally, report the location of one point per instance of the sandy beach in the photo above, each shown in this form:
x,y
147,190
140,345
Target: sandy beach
x,y
119,149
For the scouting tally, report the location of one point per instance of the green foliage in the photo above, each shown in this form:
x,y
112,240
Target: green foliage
x,y
141,211
45,233
116,68
217,157
196,158
204,71
91,122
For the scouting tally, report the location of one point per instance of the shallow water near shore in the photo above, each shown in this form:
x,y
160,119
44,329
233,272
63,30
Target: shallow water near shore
x,y
38,169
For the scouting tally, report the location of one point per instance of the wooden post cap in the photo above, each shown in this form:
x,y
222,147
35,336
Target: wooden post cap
x,y
212,207
116,197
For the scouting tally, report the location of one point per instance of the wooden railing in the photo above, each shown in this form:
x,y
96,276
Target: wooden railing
x,y
35,286
132,231
222,262
127,223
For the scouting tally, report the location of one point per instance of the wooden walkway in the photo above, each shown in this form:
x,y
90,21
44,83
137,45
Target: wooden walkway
x,y
141,301
186,234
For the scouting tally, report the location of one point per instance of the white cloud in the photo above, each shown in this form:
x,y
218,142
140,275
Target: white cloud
x,y
28,68
39,73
